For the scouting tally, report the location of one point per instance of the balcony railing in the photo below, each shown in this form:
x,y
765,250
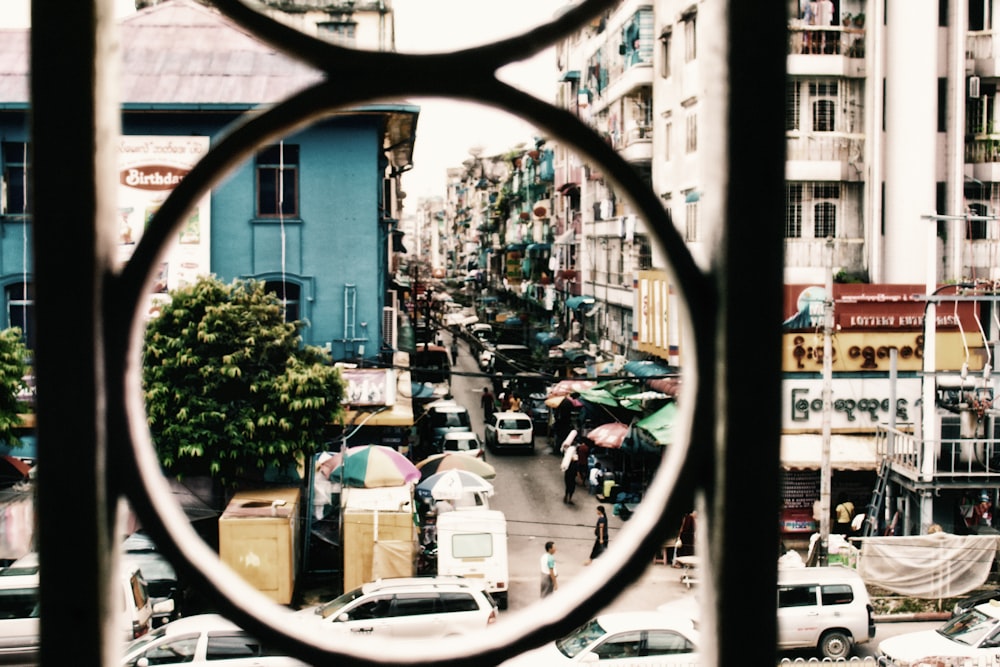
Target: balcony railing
x,y
826,147
975,460
847,41
982,149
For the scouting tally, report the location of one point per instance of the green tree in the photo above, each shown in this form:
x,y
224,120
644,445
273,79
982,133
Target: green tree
x,y
230,390
13,369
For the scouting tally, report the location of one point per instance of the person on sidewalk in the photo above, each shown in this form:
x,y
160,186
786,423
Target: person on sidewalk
x,y
549,581
454,349
600,535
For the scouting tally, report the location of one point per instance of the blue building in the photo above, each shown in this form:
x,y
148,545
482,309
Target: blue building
x,y
315,215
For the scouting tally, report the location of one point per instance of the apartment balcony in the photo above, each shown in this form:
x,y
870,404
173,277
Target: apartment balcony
x,y
824,156
958,462
848,253
982,151
826,51
623,82
636,145
982,57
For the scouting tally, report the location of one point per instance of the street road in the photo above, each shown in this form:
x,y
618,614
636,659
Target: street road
x,y
529,491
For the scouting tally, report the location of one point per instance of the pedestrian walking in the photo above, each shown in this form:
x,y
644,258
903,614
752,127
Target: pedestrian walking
x,y
488,402
569,468
844,513
686,536
600,535
549,581
454,349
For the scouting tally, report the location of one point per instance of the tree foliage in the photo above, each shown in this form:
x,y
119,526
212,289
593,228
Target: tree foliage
x,y
13,369
230,390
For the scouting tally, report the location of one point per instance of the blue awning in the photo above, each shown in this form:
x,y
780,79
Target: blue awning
x,y
645,369
576,302
571,75
692,196
515,247
538,247
548,338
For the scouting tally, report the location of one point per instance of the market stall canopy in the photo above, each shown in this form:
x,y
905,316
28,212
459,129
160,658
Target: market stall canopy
x,y
609,436
660,424
453,461
649,369
374,466
562,389
548,339
577,302
453,485
618,394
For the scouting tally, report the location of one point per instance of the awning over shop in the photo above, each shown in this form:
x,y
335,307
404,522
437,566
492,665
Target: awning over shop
x,y
645,369
535,248
548,338
660,424
577,302
515,247
804,451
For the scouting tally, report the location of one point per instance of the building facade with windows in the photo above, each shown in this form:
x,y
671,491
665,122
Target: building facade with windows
x,y
291,215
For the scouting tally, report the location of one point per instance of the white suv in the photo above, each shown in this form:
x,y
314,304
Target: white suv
x,y
825,608
509,430
407,607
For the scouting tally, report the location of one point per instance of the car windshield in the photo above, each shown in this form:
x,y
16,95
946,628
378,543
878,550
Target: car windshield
x,y
336,604
515,424
450,419
460,444
969,628
580,639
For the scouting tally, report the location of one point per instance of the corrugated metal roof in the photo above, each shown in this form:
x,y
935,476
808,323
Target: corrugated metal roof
x,y
179,53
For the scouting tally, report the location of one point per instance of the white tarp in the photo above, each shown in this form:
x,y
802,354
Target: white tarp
x,y
940,565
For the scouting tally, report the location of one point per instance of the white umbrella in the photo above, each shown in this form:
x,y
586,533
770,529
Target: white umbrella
x,y
453,485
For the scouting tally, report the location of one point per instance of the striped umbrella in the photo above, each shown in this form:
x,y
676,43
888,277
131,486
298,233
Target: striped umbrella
x,y
374,466
449,461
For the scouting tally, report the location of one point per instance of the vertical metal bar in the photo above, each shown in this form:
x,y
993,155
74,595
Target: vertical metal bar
x,y
748,271
74,125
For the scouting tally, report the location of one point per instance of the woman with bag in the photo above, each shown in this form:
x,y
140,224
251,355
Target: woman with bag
x,y
600,535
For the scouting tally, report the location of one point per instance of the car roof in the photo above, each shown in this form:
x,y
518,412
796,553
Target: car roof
x,y
422,583
460,435
199,623
991,608
645,620
828,573
511,415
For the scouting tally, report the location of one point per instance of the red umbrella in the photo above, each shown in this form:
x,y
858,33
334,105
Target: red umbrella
x,y
610,435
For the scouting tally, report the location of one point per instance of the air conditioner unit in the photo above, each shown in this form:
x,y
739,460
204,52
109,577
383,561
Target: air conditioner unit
x,y
974,87
389,335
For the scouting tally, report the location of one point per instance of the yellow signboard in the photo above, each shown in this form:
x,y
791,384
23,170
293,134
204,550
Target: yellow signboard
x,y
870,351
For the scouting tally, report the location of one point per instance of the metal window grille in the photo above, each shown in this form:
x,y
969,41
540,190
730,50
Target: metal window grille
x,y
87,384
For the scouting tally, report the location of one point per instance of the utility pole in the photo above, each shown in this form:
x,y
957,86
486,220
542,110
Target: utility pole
x,y
825,471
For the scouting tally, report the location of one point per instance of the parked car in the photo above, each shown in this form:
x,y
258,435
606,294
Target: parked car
x,y
622,638
407,607
463,442
971,638
19,609
203,639
826,608
509,430
139,551
482,335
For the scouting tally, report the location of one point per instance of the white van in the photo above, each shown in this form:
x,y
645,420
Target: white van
x,y
472,543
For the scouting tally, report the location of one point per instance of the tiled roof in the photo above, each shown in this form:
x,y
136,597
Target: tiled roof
x,y
179,53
